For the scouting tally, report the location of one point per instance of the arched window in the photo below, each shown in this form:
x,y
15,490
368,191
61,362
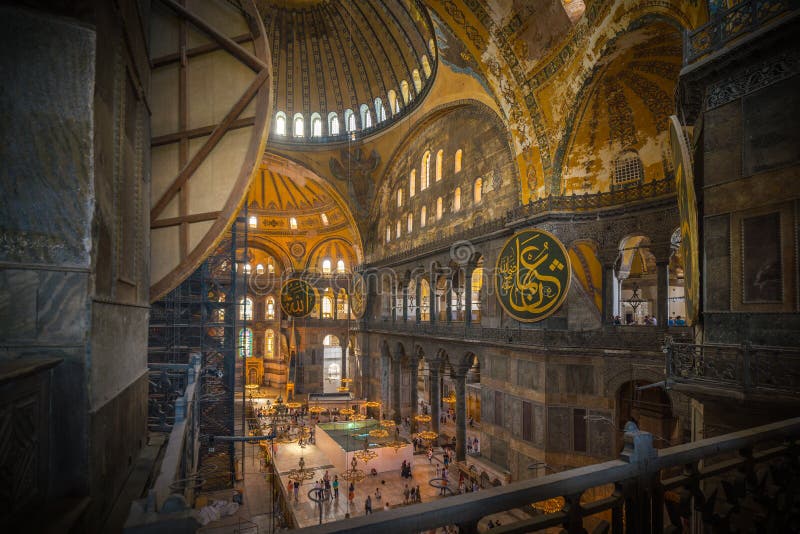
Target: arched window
x,y
324,219
457,199
404,92
333,123
439,161
459,153
422,217
270,307
270,266
245,343
388,234
424,300
394,104
340,266
397,233
326,266
426,66
417,81
259,269
292,223
327,304
628,169
366,117
299,125
349,120
438,208
425,172
411,296
400,198
410,219
280,123
253,221
269,342
478,191
412,183
247,268
341,304
246,310
380,111
316,125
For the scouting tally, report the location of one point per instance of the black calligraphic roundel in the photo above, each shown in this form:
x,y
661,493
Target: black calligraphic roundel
x,y
532,275
298,298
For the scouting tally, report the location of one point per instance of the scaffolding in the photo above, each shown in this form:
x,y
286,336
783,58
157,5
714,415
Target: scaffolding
x,y
203,316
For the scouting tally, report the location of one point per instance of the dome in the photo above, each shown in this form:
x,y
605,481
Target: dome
x,y
344,67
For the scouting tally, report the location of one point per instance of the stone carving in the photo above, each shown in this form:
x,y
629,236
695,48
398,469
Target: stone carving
x,y
752,79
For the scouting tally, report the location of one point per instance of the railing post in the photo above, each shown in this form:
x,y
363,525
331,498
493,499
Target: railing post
x,y
639,449
572,507
746,375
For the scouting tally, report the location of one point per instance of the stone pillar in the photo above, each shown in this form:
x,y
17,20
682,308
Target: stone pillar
x,y
434,299
405,302
609,293
436,394
662,293
460,379
448,295
396,387
393,303
468,294
419,300
414,392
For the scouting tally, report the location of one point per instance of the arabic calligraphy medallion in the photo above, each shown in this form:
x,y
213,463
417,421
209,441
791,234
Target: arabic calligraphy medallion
x,y
532,275
297,298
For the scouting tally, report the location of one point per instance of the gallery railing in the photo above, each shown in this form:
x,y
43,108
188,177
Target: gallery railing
x,y
742,367
725,482
638,337
446,237
730,23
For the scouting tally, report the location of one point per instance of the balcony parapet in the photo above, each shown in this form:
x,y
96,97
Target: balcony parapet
x,y
737,369
608,337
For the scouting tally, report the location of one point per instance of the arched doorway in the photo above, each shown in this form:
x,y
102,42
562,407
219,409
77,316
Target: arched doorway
x,y
650,407
331,363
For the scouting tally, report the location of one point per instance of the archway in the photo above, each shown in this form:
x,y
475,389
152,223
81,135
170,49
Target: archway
x,y
332,363
649,406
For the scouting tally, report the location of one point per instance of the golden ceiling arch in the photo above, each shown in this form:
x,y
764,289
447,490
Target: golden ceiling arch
x,y
284,166
210,103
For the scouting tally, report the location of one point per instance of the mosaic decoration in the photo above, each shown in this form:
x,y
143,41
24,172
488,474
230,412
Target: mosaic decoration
x,y
533,274
358,296
687,204
298,298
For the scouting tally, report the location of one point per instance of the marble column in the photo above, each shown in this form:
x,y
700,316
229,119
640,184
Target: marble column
x,y
396,387
405,302
448,295
419,300
436,394
609,281
662,293
414,392
460,380
433,297
468,295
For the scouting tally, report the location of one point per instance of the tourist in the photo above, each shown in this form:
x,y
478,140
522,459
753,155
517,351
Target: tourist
x,y
491,524
406,493
335,485
462,488
418,494
368,506
430,454
653,321
679,321
351,493
386,506
438,470
289,489
377,494
296,490
327,482
443,487
412,495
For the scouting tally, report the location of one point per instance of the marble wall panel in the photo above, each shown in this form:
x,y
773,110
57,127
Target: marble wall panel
x,y
558,428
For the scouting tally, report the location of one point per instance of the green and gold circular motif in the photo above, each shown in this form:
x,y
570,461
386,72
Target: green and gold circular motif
x,y
532,275
298,298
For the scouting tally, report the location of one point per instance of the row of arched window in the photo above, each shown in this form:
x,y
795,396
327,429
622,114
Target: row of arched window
x,y
350,118
246,343
424,218
269,268
451,301
332,306
425,174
